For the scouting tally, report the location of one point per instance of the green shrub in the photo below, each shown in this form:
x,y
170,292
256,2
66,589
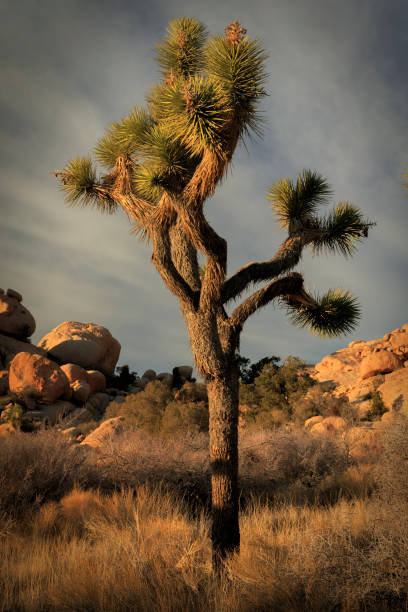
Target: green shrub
x,y
185,416
144,409
275,393
12,414
377,407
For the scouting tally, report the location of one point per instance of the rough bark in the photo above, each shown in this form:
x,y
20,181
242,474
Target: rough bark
x,y
223,407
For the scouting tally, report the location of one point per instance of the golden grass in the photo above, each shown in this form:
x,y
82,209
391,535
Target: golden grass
x,y
141,551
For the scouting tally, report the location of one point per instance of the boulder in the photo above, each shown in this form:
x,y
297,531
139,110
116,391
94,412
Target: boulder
x,y
399,341
331,424
15,319
81,390
105,433
54,413
380,362
394,390
86,344
78,416
98,402
96,380
166,377
184,372
335,423
9,347
4,382
340,367
38,377
149,375
313,420
74,372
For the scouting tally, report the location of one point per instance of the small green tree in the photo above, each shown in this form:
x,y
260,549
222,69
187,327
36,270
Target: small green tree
x,y
162,162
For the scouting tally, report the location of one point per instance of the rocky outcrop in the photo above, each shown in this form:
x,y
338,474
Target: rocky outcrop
x,y
86,344
394,390
105,433
364,367
9,347
15,319
39,378
379,362
96,381
329,424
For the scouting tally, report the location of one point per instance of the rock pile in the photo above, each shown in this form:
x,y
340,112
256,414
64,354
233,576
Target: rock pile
x,y
62,377
364,367
61,381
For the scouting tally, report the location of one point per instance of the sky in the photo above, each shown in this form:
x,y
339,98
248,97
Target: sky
x,y
337,103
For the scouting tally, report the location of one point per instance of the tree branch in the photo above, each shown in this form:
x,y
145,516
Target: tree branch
x,y
288,285
287,256
162,260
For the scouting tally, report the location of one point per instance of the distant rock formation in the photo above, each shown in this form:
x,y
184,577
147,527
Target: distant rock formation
x,y
364,367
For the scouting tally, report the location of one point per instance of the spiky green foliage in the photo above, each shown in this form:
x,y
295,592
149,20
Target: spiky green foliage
x,y
333,314
79,183
341,229
298,202
124,138
180,52
193,112
167,164
238,70
169,156
148,182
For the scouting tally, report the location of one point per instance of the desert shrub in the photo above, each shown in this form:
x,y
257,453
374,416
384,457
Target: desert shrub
x,y
248,373
180,416
161,409
123,378
377,407
392,469
192,392
275,393
289,462
144,409
12,414
319,400
6,399
37,467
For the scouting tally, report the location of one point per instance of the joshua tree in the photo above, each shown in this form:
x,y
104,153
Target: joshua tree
x,y
162,163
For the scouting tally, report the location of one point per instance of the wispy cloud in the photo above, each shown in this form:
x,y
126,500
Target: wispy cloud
x,y
337,103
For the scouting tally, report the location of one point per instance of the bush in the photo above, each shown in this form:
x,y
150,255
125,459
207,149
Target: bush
x,y
144,409
275,394
377,407
38,467
392,470
185,416
159,409
290,462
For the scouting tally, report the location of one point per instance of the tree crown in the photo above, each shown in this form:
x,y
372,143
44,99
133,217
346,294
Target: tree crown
x,y
162,161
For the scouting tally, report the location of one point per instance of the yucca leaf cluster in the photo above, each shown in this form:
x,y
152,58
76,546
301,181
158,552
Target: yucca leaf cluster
x,y
209,88
333,314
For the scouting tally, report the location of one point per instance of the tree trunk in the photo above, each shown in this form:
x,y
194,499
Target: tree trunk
x,y
223,408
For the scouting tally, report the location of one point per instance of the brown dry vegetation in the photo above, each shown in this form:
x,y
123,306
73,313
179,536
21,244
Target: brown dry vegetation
x,y
319,533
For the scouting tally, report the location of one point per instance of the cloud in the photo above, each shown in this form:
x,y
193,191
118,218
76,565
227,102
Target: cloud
x,y
337,104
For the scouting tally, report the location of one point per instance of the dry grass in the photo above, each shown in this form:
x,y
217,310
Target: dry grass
x,y
77,547
141,551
